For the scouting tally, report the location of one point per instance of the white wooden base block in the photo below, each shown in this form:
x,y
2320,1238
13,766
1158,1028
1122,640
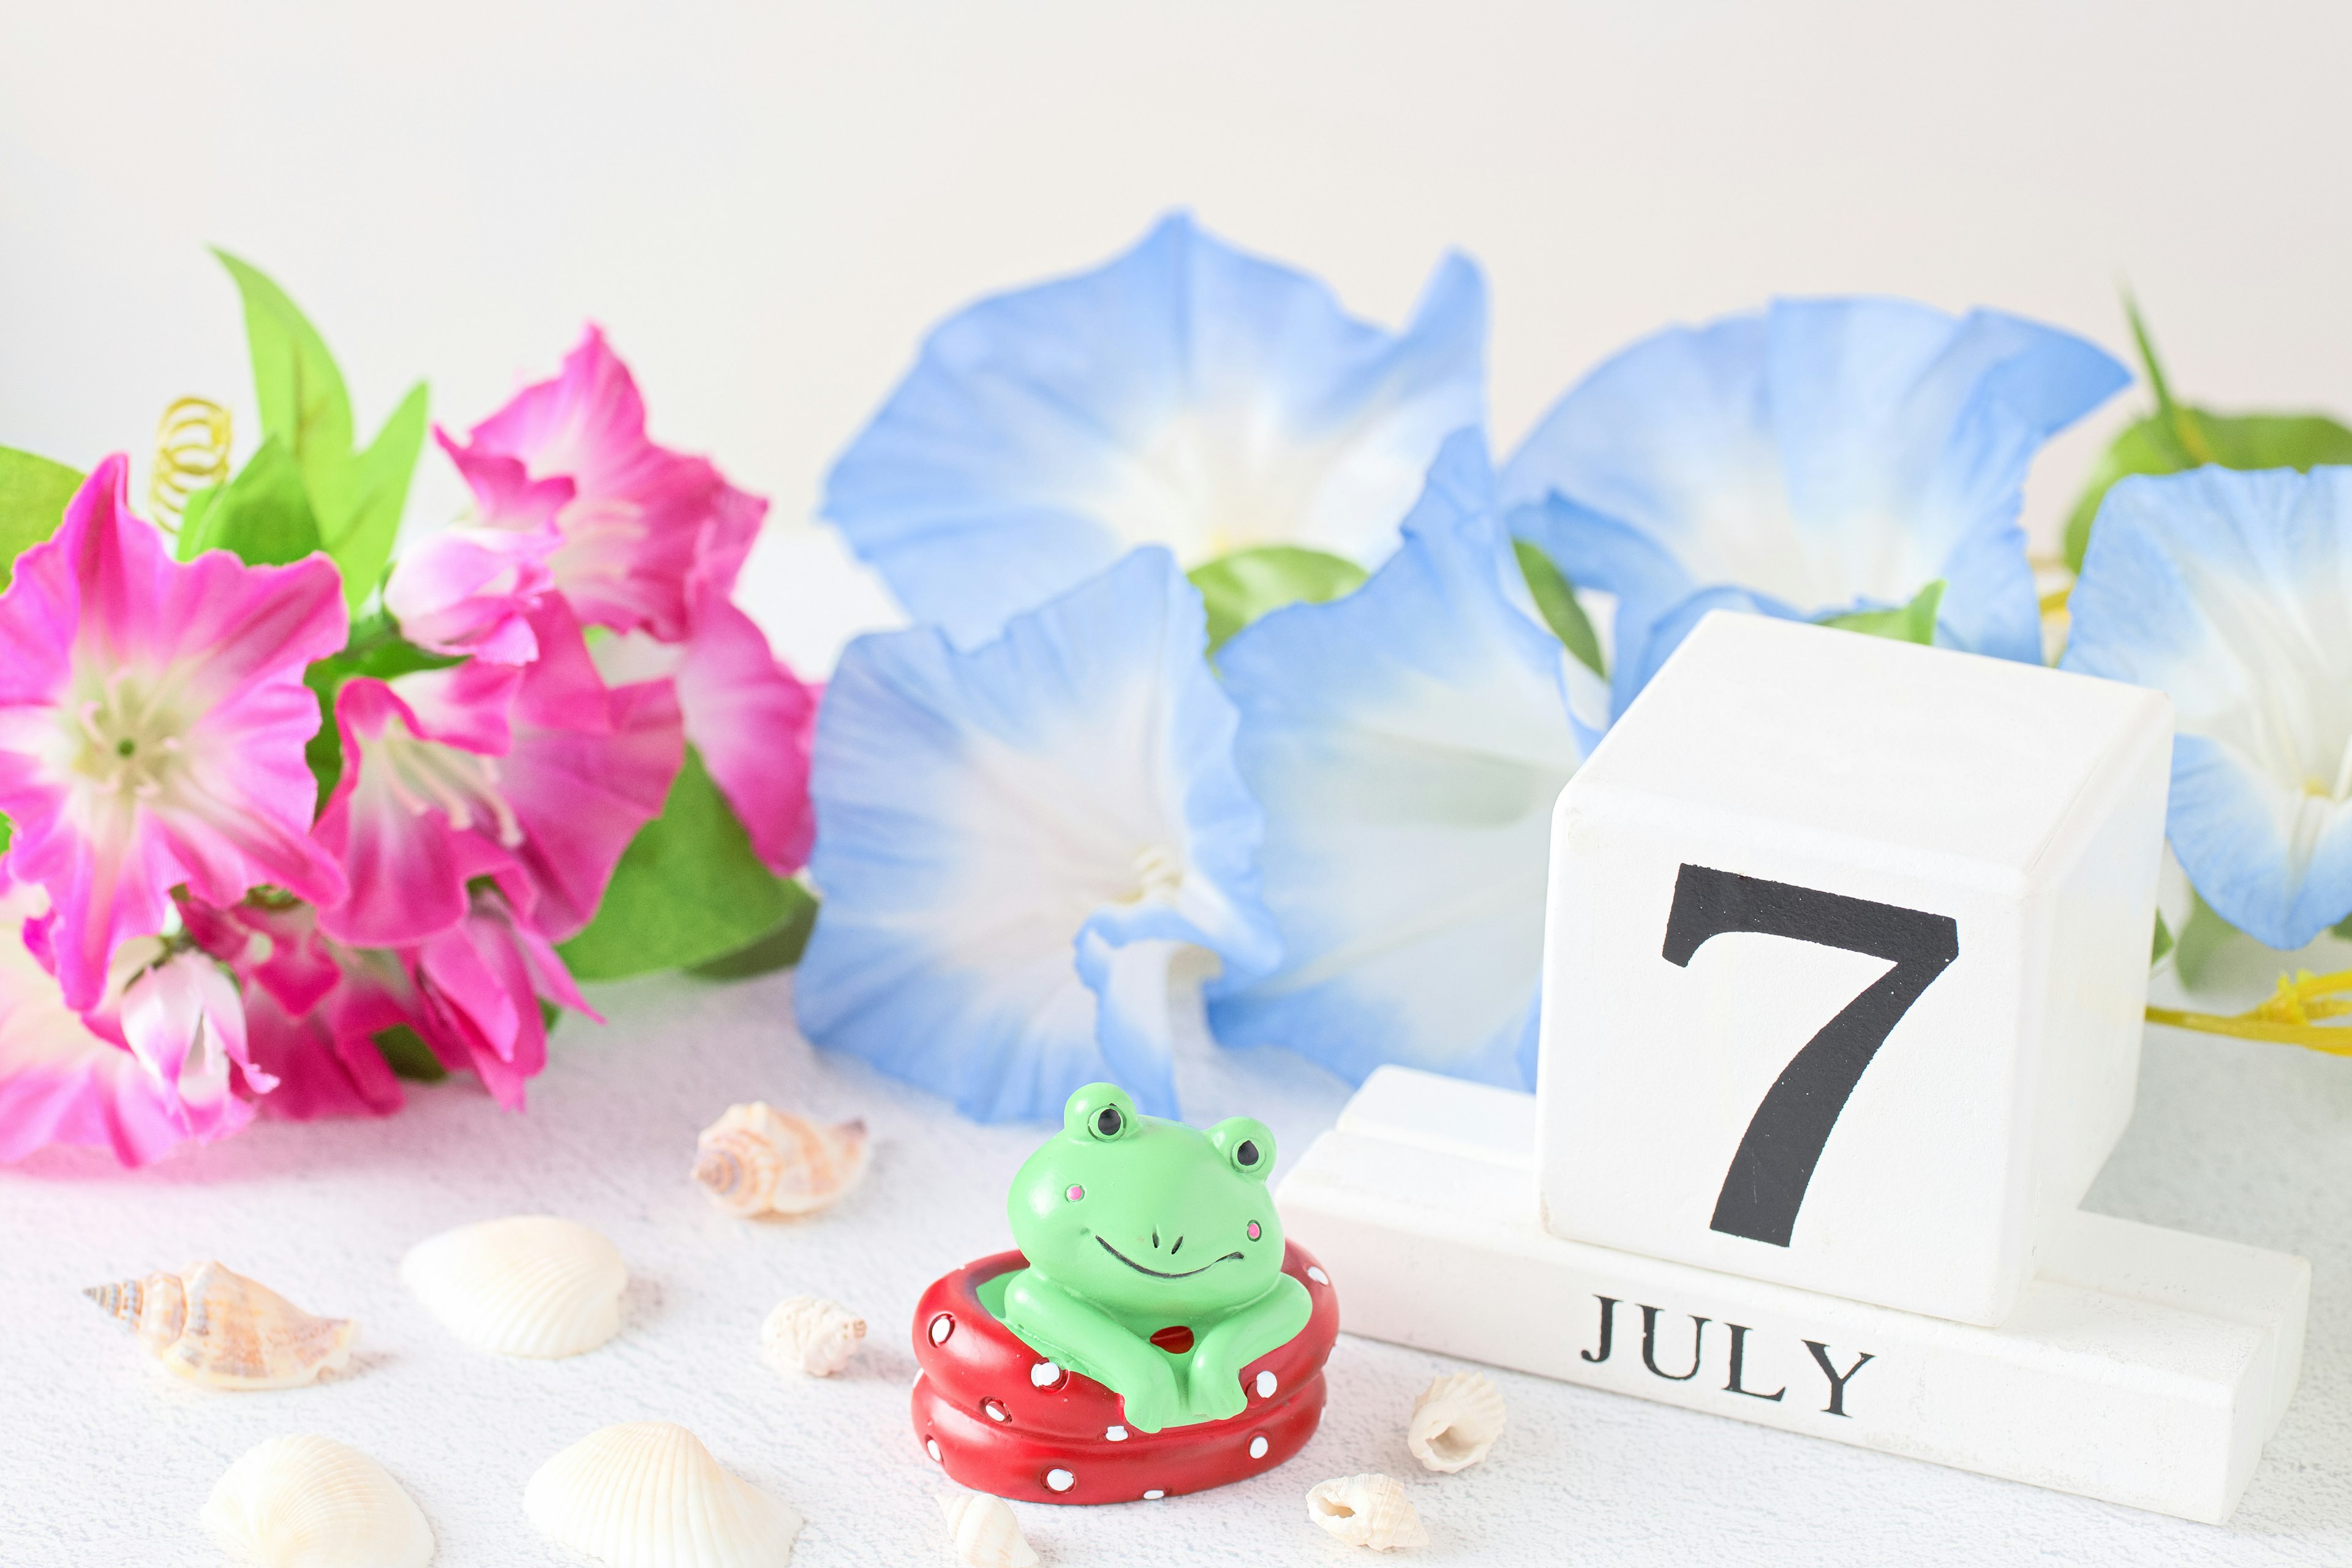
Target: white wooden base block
x,y
2141,1366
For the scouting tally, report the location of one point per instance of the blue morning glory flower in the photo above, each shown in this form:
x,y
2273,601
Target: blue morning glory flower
x,y
1818,459
1185,394
1021,848
2231,593
1407,742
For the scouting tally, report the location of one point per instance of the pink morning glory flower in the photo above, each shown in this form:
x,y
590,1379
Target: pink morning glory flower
x,y
639,522
152,717
479,984
537,777
160,1063
752,719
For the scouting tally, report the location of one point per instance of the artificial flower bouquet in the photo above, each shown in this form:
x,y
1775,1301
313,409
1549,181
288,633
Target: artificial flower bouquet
x,y
1241,676
290,819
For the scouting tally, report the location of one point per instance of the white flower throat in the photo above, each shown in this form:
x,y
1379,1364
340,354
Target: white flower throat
x,y
125,738
463,786
1159,876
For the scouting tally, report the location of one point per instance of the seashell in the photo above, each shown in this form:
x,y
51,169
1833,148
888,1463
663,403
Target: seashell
x,y
312,1502
649,1495
809,1336
757,1160
1454,1422
986,1535
529,1286
1367,1510
217,1328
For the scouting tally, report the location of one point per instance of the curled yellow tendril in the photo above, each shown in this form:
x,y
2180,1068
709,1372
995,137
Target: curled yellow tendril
x,y
2292,1016
191,452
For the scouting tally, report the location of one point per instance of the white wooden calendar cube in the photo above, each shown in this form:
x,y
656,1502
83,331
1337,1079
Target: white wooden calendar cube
x,y
1846,951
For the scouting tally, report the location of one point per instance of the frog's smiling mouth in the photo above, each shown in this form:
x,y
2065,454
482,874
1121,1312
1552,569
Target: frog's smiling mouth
x,y
1156,1274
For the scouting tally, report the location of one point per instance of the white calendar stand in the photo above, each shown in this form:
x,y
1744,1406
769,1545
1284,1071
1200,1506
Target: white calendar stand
x,y
1845,965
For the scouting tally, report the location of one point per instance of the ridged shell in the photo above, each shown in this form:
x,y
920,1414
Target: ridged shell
x,y
217,1328
986,1535
529,1286
312,1502
808,1335
649,1495
1367,1510
1454,1422
757,1160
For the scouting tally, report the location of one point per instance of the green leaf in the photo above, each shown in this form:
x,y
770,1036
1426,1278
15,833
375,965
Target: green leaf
x,y
779,949
33,496
2163,942
262,516
8,833
1240,587
301,395
1555,596
356,499
688,890
2178,437
407,1055
360,542
2199,940
1914,622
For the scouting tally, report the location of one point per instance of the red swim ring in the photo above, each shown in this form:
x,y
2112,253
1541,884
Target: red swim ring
x,y
1000,1418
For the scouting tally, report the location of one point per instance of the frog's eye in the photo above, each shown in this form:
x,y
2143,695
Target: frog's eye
x,y
1247,1145
1101,1113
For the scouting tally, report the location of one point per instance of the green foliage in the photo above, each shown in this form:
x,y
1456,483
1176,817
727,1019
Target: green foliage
x,y
2201,939
1239,588
1914,622
375,647
779,949
1555,596
405,1052
33,496
355,498
688,890
262,516
2178,437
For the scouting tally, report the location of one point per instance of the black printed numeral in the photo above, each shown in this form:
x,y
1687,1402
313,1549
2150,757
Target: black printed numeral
x,y
1774,1164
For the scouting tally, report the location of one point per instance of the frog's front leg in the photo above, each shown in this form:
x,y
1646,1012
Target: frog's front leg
x,y
1213,1389
1077,1334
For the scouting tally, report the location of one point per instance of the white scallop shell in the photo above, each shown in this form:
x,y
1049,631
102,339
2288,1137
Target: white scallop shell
x,y
215,1328
312,1502
1367,1510
1454,1422
810,1336
757,1160
649,1495
986,1535
529,1286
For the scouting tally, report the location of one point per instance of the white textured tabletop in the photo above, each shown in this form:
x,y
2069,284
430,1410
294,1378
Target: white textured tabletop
x,y
107,1459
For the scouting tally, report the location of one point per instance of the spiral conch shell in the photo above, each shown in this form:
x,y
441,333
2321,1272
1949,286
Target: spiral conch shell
x,y
649,1495
986,1535
757,1160
1454,1422
220,1329
530,1285
1367,1510
312,1502
809,1336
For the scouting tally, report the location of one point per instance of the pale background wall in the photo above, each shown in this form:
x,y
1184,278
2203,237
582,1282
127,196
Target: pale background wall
x,y
767,204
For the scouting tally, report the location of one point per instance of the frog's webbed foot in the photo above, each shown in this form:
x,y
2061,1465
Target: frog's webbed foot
x,y
1149,1410
1217,1393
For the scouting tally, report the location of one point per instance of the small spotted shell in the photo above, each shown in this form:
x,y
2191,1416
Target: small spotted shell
x,y
220,1329
306,1501
986,1535
810,1336
757,1160
1367,1510
1454,1422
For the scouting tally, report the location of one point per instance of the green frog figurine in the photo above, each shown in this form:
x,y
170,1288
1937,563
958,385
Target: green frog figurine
x,y
1154,1257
